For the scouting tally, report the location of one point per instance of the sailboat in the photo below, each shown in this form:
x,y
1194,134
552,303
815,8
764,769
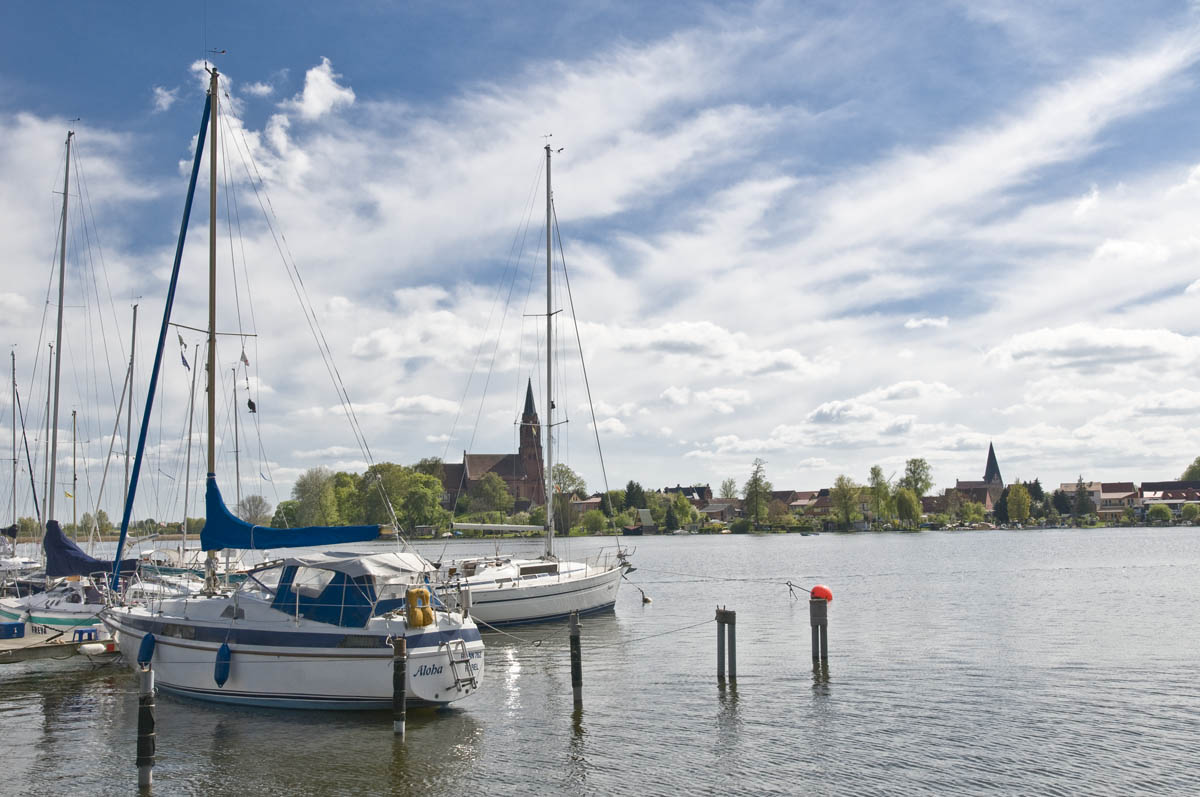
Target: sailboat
x,y
73,604
311,631
506,590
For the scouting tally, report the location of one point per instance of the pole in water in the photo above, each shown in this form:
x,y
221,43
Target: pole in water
x,y
399,684
145,729
726,644
576,660
818,617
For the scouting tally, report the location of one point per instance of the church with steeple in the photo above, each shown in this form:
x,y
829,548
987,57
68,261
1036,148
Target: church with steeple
x,y
523,472
986,492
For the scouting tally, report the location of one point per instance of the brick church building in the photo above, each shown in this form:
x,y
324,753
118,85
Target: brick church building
x,y
523,472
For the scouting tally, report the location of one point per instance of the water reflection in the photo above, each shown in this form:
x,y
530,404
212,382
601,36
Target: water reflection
x,y
576,752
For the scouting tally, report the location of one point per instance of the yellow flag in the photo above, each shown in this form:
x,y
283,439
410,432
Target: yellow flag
x,y
68,495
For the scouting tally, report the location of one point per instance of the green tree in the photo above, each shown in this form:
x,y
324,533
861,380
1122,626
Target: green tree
x,y
614,502
347,496
1018,503
1159,513
672,520
729,490
1189,512
1129,516
635,496
103,523
255,510
917,476
317,504
971,512
593,521
1192,472
490,494
684,511
845,497
880,492
568,482
908,507
1000,508
287,516
418,501
778,513
1083,505
1036,493
432,466
380,486
756,494
1061,502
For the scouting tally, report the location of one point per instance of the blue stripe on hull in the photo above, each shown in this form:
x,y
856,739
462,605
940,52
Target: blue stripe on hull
x,y
608,607
298,701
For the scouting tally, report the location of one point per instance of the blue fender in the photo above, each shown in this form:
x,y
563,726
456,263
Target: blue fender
x,y
221,670
146,649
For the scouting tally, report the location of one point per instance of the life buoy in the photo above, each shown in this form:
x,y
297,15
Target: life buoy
x,y
418,608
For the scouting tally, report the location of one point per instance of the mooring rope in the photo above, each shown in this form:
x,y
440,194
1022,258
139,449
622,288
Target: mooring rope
x,y
651,636
535,642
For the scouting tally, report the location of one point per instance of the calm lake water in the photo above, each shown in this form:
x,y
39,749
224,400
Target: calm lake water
x,y
1010,662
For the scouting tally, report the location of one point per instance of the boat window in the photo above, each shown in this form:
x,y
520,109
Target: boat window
x,y
537,570
265,581
92,594
309,581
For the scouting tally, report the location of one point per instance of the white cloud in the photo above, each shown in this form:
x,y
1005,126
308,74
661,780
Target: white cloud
x,y
259,89
322,92
918,323
164,98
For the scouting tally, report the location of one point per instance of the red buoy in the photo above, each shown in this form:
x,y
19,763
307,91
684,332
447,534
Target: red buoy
x,y
822,591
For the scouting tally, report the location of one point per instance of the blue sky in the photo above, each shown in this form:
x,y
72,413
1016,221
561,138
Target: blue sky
x,y
828,236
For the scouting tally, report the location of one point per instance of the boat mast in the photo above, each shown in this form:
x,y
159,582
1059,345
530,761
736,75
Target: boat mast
x,y
129,411
549,428
212,274
13,355
211,368
62,272
187,473
237,462
74,480
46,439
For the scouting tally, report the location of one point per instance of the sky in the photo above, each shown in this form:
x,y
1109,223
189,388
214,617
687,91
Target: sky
x,y
826,235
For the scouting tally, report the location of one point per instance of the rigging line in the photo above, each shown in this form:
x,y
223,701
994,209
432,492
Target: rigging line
x,y
514,260
309,311
293,277
582,362
237,301
514,250
86,203
32,479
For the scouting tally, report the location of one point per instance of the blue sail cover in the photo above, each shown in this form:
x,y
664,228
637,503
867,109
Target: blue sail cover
x,y
65,558
223,530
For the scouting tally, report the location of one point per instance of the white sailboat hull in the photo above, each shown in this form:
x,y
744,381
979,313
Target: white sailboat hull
x,y
544,599
310,668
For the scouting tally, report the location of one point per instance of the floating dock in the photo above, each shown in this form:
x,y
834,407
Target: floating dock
x,y
33,646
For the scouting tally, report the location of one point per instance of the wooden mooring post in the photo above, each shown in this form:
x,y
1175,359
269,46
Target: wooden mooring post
x,y
726,642
576,660
399,685
145,727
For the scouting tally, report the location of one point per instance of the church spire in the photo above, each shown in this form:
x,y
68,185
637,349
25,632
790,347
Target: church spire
x,y
529,409
992,472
